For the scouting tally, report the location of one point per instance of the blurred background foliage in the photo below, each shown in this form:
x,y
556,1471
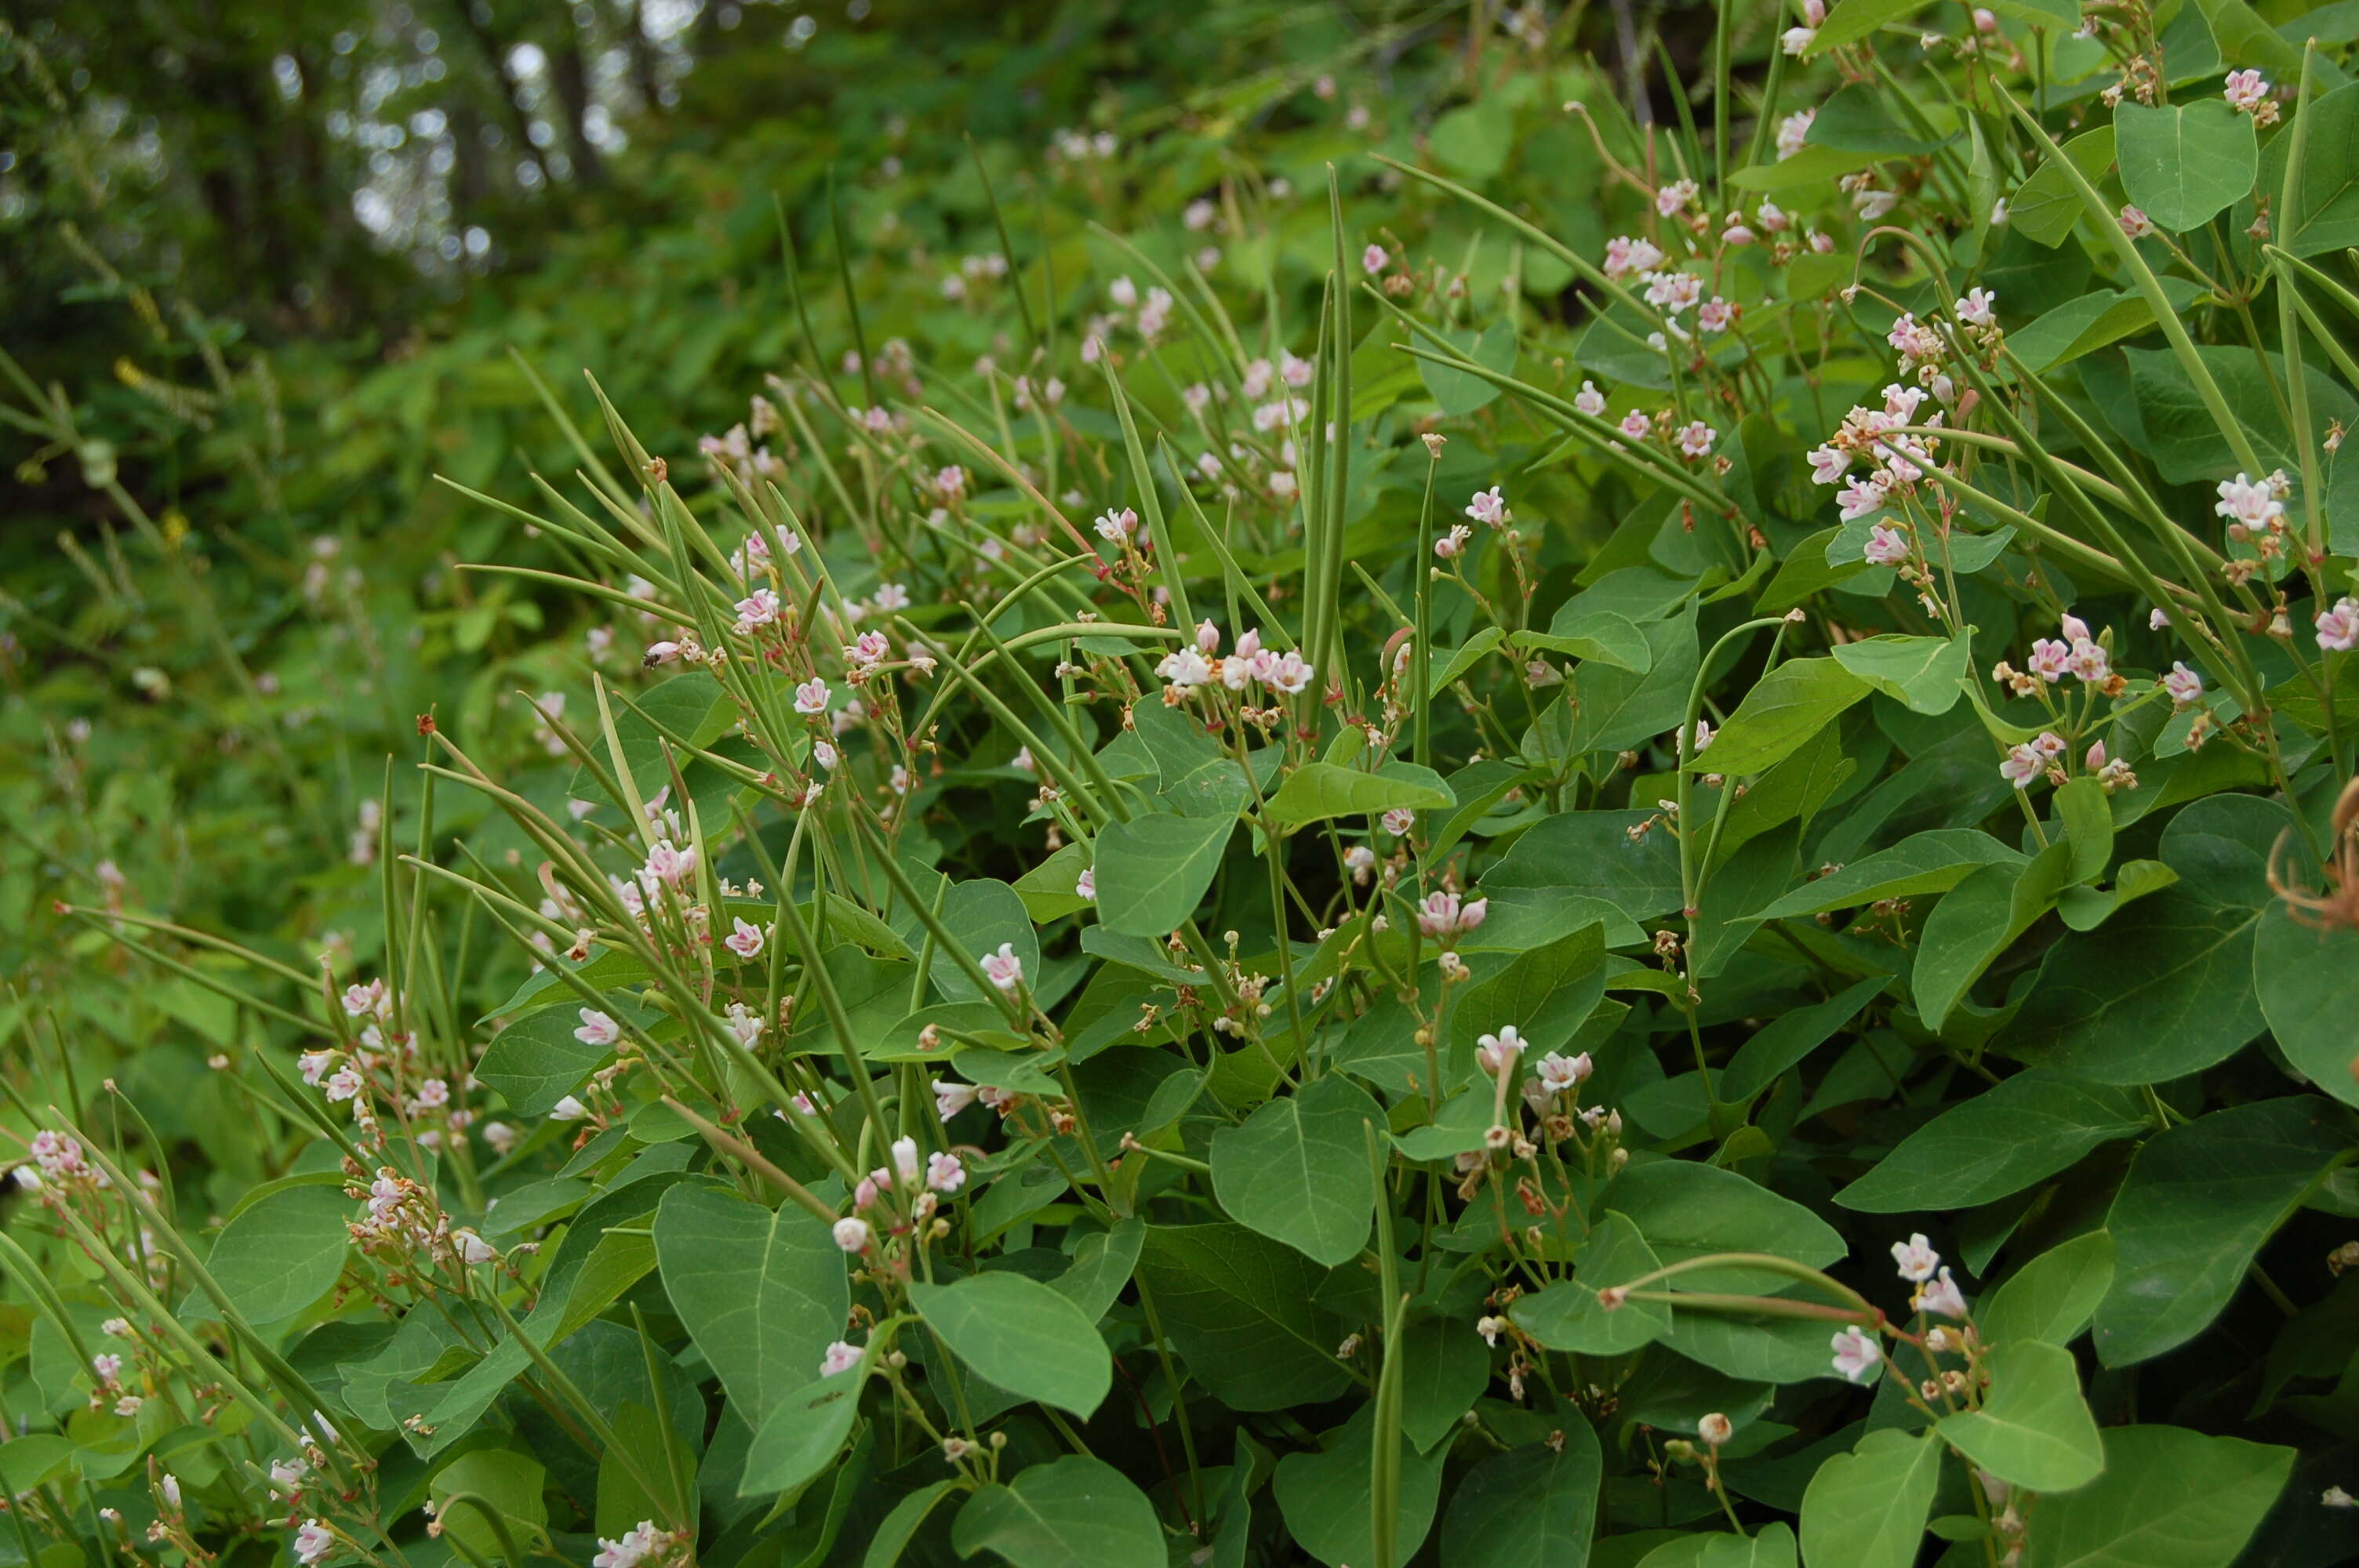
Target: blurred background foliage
x,y
274,266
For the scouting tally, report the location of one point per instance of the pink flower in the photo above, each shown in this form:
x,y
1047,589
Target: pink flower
x,y
1887,546
1794,40
1208,638
1398,821
1856,1356
1717,315
811,696
668,864
2134,223
867,650
2023,764
313,1541
1497,1053
1671,197
842,1357
1827,464
1086,884
1589,400
2250,505
2338,629
1915,1258
1624,256
744,939
2088,661
852,1234
2246,90
1442,913
1560,1073
2096,757
1976,309
1115,526
759,608
1488,507
1941,1296
951,1098
944,1173
950,482
2050,659
1636,426
1287,673
2156,619
1373,260
1004,969
1696,439
1793,132
1453,541
1860,498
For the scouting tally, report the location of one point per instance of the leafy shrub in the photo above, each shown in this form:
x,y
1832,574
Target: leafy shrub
x,y
1599,844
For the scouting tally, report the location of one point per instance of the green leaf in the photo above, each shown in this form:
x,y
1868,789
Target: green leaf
x,y
1238,1308
2033,1429
2325,215
1932,861
1566,1317
1686,1210
979,914
1785,707
1546,993
1868,1508
802,1435
761,1292
2303,979
1022,1336
1926,674
2169,1499
1445,1367
1999,1142
536,1061
1590,853
1456,391
1318,790
284,1253
1325,1495
1786,1039
1976,921
1296,1169
2046,207
1853,20
1074,1512
1616,709
509,1481
1152,871
2053,1296
2185,164
901,1526
1102,1266
2184,1003
1534,1506
2196,1203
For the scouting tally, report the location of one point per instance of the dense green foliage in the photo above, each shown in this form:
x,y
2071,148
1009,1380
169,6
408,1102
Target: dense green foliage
x,y
1284,791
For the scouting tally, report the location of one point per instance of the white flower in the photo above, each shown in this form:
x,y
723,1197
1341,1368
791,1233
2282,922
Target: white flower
x,y
1488,507
1976,309
597,1028
1086,884
1398,821
639,1545
1115,526
1560,1073
568,1110
1856,1356
949,1098
171,1487
811,696
852,1234
1497,1053
759,608
842,1357
2338,629
1915,1258
1589,400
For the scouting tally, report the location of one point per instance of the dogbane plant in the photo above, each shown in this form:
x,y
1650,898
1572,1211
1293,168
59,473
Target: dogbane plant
x,y
1697,923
